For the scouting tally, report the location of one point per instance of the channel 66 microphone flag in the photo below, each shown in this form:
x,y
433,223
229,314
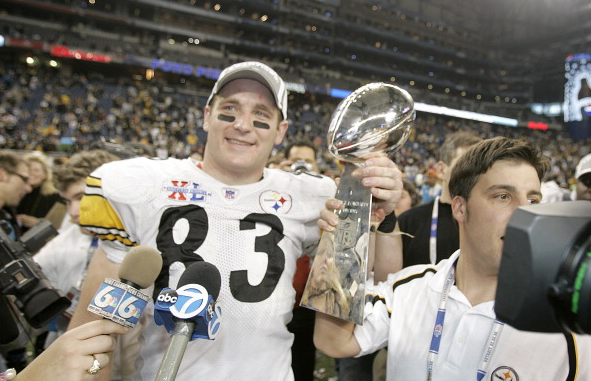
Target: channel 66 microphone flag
x,y
122,301
119,302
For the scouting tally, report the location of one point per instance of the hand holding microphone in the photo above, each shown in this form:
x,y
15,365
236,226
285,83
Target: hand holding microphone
x,y
73,353
188,313
121,301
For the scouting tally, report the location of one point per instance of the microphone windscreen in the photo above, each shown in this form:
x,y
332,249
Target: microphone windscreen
x,y
9,331
204,274
141,265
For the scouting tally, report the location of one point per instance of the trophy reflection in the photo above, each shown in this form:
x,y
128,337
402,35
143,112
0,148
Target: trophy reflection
x,y
374,118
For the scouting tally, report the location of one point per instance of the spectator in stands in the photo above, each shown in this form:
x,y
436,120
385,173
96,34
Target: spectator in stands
x,y
431,187
43,201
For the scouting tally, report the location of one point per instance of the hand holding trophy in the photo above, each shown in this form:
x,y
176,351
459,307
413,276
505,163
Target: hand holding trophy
x,y
374,118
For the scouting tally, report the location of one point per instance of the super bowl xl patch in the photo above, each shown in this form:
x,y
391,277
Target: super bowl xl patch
x,y
183,190
274,202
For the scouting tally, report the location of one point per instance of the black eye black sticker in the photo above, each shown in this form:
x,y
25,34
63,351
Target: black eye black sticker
x,y
226,118
262,125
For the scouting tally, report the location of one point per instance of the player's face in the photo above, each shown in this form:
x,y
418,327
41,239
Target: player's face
x,y
243,126
72,195
484,216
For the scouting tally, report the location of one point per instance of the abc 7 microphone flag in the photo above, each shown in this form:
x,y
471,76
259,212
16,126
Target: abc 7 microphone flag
x,y
119,302
189,302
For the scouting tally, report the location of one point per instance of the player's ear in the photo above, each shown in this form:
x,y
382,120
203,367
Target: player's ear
x,y
458,208
206,116
281,130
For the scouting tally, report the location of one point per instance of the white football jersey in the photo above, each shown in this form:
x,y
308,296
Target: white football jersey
x,y
253,234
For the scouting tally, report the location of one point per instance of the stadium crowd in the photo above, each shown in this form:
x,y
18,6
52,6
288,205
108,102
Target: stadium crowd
x,y
61,115
46,110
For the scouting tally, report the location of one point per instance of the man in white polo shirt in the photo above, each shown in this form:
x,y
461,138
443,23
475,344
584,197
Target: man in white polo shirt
x,y
438,320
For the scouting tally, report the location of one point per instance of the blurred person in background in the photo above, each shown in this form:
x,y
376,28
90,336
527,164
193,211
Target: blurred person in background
x,y
431,187
302,154
14,186
428,231
583,177
410,197
44,198
552,192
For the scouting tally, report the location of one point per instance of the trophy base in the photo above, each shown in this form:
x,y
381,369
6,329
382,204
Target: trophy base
x,y
336,285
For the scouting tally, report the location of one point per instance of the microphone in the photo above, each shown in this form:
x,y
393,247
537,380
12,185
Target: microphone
x,y
121,301
188,313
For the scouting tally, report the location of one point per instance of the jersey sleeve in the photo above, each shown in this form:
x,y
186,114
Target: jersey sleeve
x,y
373,334
108,202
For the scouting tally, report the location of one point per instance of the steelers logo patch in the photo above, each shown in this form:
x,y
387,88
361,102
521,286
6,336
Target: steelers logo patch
x,y
274,202
504,373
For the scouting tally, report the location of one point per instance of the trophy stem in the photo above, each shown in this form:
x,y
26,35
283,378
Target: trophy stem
x,y
336,285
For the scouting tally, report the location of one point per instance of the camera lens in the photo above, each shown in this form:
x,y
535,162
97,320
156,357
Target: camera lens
x,y
572,291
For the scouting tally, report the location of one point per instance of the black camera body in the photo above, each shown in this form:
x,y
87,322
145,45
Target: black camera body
x,y
545,274
22,277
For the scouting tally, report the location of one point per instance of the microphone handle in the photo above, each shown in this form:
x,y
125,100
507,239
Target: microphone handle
x,y
180,337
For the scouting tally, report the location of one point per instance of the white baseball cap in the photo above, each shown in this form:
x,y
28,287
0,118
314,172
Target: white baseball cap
x,y
584,166
256,71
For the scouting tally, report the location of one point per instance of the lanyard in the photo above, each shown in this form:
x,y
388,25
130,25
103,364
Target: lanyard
x,y
493,336
433,234
89,253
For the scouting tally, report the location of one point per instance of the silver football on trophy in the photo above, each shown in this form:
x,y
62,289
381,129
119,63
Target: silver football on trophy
x,y
374,118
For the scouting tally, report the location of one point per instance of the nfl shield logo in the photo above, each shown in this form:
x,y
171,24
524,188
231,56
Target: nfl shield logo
x,y
346,232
